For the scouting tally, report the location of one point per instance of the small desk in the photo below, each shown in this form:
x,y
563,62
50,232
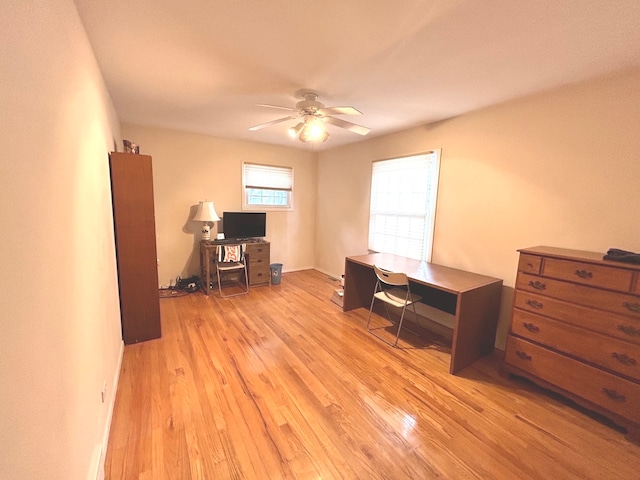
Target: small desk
x,y
258,258
473,299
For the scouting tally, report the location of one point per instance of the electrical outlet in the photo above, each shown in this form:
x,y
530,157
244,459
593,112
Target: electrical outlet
x,y
103,394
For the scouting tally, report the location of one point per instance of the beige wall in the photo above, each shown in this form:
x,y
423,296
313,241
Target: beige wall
x,y
59,315
190,167
559,168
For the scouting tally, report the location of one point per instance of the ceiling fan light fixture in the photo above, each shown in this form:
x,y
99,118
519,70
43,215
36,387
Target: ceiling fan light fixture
x,y
295,131
314,115
319,138
312,133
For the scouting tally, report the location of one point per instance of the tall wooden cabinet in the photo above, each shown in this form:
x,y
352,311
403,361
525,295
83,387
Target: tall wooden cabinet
x,y
575,329
135,234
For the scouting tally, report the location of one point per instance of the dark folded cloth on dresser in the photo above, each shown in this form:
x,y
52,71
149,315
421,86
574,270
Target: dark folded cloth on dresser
x,y
622,256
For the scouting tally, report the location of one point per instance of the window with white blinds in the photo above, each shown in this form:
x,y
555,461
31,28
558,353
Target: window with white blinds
x,y
267,187
403,205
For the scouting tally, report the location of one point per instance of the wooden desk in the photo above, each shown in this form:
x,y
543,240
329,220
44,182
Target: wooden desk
x,y
258,258
473,299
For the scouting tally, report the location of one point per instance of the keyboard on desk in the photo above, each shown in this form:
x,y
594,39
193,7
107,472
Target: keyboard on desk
x,y
226,241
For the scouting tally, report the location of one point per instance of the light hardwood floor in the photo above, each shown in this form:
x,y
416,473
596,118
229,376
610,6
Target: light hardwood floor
x,y
280,383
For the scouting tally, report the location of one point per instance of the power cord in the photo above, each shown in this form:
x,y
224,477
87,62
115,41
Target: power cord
x,y
182,287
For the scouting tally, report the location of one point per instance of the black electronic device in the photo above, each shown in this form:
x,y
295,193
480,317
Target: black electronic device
x,y
244,224
191,284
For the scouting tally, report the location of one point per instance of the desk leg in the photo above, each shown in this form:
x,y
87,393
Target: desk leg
x,y
208,272
359,282
474,332
205,269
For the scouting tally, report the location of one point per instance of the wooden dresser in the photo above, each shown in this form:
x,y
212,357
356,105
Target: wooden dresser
x,y
258,255
575,329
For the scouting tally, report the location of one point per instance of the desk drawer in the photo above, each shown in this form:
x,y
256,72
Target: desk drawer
x,y
258,259
259,276
620,303
598,387
258,263
610,353
258,248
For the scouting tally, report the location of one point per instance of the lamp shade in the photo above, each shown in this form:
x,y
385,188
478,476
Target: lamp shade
x,y
206,213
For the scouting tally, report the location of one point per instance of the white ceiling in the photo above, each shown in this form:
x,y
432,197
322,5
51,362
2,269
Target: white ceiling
x,y
204,65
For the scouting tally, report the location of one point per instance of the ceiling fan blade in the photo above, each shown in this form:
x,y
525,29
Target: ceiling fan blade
x,y
340,111
276,106
272,122
352,127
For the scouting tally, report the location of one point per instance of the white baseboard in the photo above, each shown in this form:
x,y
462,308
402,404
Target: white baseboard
x,y
329,274
299,269
99,474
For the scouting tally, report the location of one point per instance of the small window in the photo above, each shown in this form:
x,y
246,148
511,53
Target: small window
x,y
266,187
403,204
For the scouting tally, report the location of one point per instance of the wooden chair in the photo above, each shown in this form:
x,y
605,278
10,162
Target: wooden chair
x,y
392,289
230,259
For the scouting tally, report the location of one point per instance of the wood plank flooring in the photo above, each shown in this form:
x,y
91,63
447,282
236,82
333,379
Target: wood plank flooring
x,y
281,384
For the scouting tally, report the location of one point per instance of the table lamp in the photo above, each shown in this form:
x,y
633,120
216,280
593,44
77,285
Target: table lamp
x,y
206,213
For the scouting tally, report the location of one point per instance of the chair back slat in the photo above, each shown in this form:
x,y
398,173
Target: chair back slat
x,y
391,278
231,252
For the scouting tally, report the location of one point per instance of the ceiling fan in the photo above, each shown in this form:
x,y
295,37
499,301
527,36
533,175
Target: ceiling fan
x,y
314,116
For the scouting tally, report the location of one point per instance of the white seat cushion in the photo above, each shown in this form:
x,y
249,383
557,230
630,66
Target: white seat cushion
x,y
397,296
230,266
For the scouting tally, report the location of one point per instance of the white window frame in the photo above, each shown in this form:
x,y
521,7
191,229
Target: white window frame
x,y
276,178
402,209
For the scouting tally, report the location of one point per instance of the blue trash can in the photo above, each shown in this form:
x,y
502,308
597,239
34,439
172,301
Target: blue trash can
x,y
276,273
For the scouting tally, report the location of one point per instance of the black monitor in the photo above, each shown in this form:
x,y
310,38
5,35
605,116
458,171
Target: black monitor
x,y
244,224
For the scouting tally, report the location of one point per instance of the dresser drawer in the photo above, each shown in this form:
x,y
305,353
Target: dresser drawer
x,y
602,276
607,352
607,323
529,263
598,387
613,302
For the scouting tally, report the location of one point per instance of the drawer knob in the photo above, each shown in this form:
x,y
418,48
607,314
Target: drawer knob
x,y
537,285
531,327
534,304
634,307
584,273
629,330
613,395
624,358
523,355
